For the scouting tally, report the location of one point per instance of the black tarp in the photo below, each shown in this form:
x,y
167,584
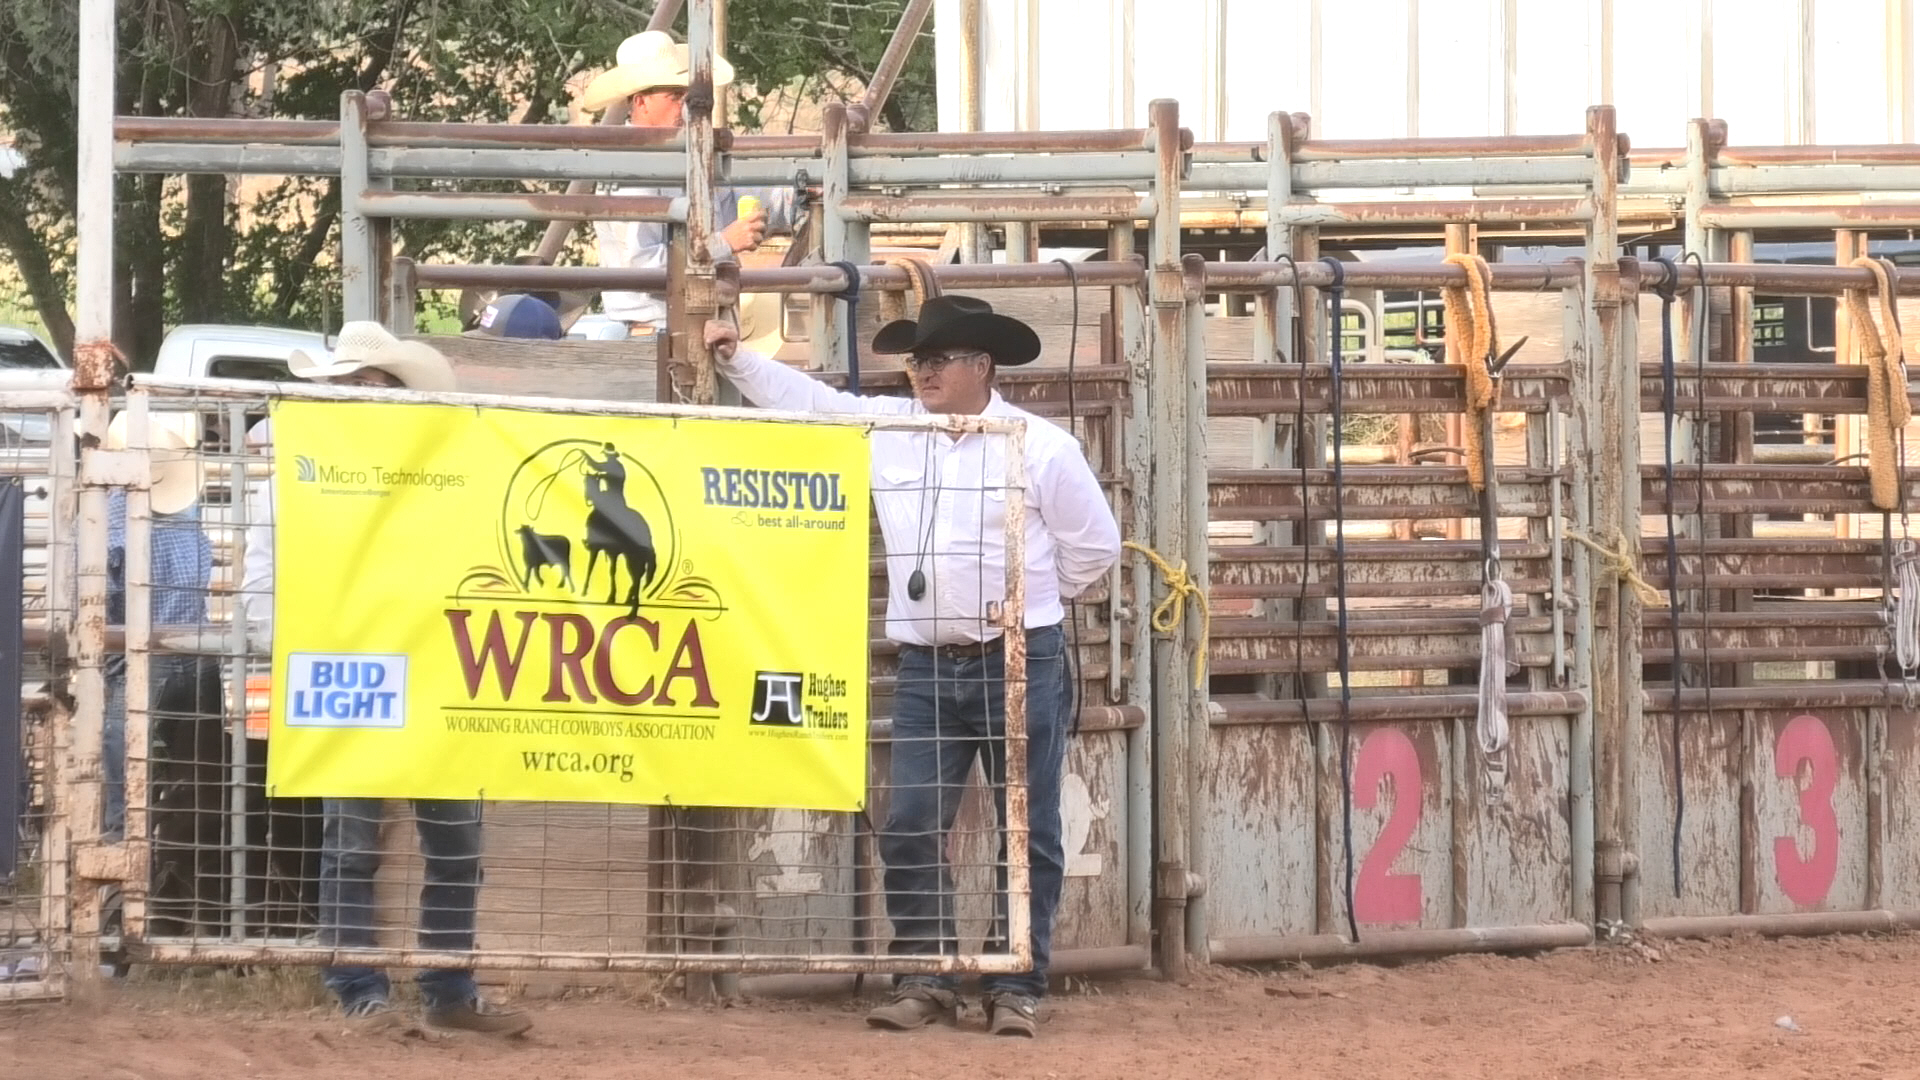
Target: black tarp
x,y
13,558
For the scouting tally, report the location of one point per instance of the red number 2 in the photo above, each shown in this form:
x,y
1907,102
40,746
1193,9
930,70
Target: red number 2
x,y
1379,894
1806,881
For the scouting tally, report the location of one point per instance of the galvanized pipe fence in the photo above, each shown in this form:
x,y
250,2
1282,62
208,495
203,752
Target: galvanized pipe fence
x,y
1263,813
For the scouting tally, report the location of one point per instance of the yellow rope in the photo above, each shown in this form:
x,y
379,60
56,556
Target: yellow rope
x,y
1472,341
1619,561
1169,612
1888,409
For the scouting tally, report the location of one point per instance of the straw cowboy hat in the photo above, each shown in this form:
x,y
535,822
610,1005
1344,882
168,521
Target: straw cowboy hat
x,y
967,321
761,317
647,61
175,470
416,364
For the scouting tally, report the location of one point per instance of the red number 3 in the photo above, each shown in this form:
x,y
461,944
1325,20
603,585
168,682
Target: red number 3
x,y
1806,881
1379,895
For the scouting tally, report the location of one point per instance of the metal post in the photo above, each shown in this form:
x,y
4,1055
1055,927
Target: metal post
x,y
698,282
1172,503
1194,553
1129,309
830,330
359,246
93,364
972,64
1600,417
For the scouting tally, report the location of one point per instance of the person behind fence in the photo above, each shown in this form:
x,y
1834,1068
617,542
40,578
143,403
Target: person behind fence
x,y
650,72
940,500
180,570
449,829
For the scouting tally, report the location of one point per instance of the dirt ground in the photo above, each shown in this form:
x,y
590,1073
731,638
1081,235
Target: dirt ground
x,y
1839,1007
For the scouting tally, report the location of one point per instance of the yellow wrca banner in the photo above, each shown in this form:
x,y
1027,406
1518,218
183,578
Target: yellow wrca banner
x,y
519,605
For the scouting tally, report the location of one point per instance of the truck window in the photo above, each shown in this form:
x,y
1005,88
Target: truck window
x,y
26,355
248,367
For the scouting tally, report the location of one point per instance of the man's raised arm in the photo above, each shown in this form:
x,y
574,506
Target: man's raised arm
x,y
771,384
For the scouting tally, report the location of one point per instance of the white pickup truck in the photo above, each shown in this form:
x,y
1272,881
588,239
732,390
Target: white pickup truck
x,y
201,351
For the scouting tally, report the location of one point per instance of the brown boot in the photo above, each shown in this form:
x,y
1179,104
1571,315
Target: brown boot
x,y
1009,1013
915,1005
480,1016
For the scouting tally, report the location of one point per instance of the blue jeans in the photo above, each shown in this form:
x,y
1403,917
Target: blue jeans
x,y
948,711
350,856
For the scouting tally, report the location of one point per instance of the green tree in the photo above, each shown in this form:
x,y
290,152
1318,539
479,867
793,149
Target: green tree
x,y
206,248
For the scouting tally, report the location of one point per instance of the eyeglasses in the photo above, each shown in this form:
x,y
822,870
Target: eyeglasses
x,y
939,361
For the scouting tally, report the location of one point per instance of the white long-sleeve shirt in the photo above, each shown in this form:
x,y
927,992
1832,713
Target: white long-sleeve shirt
x,y
644,245
941,504
256,566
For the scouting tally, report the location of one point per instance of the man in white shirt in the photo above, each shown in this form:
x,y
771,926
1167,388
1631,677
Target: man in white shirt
x,y
941,502
650,73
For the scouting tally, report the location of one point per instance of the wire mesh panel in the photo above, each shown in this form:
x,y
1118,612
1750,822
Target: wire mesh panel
x,y
36,530
237,870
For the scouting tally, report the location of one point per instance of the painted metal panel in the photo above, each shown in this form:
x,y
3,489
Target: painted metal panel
x,y
1900,855
1258,794
1810,810
1402,827
1710,831
1519,849
1093,821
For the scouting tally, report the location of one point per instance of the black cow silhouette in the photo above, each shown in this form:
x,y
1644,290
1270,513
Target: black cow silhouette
x,y
616,529
541,550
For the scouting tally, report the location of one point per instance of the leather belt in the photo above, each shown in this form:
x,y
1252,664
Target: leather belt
x,y
965,650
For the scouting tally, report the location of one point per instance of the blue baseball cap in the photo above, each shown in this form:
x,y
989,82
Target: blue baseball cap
x,y
517,315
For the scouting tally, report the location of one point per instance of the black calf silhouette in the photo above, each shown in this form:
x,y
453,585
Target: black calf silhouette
x,y
541,550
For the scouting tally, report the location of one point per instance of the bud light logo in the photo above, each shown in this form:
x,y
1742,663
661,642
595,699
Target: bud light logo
x,y
346,690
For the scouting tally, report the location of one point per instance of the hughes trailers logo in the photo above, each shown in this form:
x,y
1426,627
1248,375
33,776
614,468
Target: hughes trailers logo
x,y
793,702
591,602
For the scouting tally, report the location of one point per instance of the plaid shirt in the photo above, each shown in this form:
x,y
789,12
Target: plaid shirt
x,y
182,565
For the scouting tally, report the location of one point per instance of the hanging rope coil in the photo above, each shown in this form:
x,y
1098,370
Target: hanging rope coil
x,y
1473,340
1887,407
920,280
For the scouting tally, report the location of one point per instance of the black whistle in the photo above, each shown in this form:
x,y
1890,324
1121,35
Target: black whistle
x,y
917,585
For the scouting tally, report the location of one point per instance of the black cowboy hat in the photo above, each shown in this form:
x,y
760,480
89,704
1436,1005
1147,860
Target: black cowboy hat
x,y
946,321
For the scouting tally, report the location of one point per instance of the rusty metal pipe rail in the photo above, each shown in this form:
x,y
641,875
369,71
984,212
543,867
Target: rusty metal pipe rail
x,y
1397,943
1375,568
1496,146
1765,388
163,130
1241,388
1510,277
501,206
1783,278
1537,175
1772,564
955,206
1376,493
1399,705
784,279
1812,694
1757,489
1839,154
1541,212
